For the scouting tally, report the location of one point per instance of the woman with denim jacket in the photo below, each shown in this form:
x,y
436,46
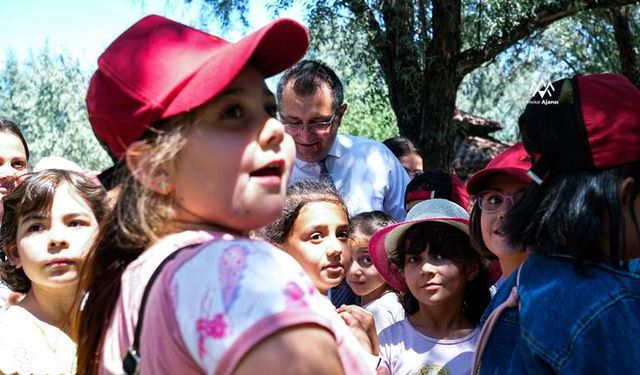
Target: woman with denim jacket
x,y
572,307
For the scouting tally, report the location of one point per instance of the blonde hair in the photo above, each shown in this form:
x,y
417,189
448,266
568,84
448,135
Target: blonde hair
x,y
140,217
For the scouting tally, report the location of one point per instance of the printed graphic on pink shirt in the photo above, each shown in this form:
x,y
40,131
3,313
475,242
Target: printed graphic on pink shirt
x,y
294,296
232,264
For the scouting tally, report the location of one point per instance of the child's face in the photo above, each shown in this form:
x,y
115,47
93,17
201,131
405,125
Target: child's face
x,y
436,281
234,169
362,275
319,242
52,245
13,162
491,223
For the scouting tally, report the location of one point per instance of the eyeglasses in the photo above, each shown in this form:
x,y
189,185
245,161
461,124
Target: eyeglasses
x,y
319,128
491,201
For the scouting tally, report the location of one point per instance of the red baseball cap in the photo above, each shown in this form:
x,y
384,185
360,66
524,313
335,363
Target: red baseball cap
x,y
514,161
159,68
595,117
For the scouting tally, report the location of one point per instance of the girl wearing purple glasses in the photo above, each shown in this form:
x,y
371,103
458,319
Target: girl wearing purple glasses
x,y
496,187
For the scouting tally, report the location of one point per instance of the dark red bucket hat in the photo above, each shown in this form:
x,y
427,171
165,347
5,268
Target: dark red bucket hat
x,y
514,161
159,68
595,117
437,184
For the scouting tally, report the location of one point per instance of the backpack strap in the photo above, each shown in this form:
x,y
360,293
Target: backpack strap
x,y
131,361
512,301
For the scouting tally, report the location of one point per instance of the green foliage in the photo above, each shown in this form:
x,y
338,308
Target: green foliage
x,y
577,45
369,114
45,96
497,90
227,12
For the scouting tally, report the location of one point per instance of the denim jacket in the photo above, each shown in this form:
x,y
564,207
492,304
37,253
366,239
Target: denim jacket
x,y
567,322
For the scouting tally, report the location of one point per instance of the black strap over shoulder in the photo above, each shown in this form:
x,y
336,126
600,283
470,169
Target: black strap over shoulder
x,y
131,361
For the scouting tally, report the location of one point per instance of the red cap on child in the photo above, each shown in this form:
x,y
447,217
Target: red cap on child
x,y
514,161
159,68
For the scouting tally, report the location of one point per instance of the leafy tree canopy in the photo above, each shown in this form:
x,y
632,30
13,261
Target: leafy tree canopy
x,y
418,53
45,96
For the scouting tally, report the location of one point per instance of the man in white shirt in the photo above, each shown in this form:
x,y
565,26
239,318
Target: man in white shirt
x,y
366,173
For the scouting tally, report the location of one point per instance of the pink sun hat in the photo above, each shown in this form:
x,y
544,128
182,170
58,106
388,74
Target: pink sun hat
x,y
385,240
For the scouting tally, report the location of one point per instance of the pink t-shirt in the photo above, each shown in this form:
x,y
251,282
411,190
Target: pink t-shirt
x,y
404,350
119,335
213,303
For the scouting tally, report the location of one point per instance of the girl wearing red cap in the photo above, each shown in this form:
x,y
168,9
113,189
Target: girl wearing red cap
x,y
572,306
173,278
497,187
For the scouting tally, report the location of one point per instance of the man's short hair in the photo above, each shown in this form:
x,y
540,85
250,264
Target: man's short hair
x,y
308,76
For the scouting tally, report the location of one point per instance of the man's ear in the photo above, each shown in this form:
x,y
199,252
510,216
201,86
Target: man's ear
x,y
342,110
138,161
471,271
11,251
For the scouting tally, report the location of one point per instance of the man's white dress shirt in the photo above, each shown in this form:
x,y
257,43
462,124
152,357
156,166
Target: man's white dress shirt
x,y
365,172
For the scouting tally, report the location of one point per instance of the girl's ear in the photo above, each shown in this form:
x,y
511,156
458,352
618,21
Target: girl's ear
x,y
154,179
470,271
11,251
625,187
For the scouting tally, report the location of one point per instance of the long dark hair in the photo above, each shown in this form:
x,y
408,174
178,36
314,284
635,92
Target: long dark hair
x,y
475,232
450,243
579,214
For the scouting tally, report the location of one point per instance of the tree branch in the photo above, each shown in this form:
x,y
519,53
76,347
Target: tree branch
x,y
526,26
624,41
447,19
375,36
423,24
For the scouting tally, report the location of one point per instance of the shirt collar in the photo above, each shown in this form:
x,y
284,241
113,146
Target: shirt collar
x,y
337,148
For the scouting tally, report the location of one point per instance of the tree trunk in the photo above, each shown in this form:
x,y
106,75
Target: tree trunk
x,y
432,130
423,73
436,135
619,18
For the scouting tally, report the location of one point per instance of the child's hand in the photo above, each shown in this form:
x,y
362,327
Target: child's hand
x,y
362,325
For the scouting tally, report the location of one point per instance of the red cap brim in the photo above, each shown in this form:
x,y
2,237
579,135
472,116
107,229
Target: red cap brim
x,y
479,181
